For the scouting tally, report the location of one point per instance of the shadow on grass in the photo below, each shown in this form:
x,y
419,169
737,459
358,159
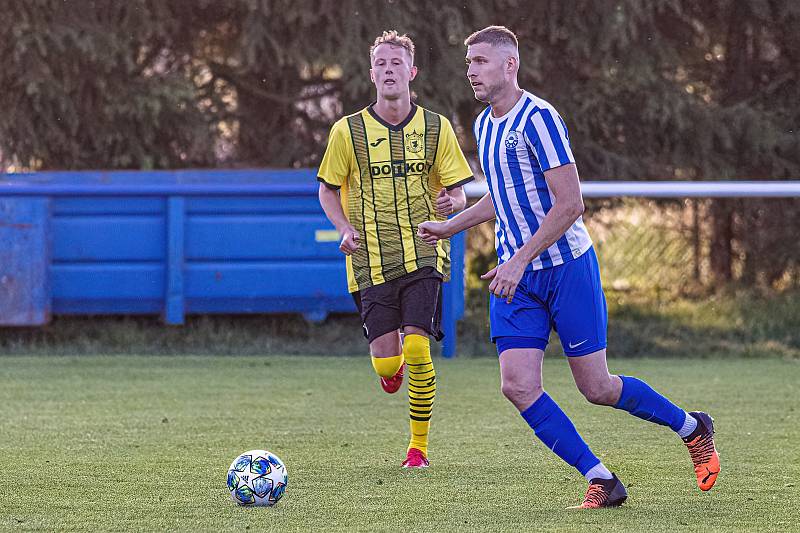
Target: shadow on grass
x,y
201,335
742,324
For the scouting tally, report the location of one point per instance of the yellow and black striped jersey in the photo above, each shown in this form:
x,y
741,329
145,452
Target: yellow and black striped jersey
x,y
389,177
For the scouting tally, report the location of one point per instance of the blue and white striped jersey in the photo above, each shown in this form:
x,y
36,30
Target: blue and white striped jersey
x,y
515,150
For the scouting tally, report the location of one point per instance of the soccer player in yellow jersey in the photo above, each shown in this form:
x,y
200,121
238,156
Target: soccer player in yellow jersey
x,y
388,168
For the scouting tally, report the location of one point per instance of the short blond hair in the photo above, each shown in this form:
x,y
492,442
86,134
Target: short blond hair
x,y
494,35
395,39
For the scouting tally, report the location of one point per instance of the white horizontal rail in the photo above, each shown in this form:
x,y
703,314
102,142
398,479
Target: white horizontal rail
x,y
674,189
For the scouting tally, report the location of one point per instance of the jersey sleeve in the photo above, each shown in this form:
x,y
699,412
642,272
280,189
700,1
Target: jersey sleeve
x,y
451,165
335,166
546,135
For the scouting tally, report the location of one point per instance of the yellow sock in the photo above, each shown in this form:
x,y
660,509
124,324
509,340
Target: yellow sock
x,y
387,367
421,389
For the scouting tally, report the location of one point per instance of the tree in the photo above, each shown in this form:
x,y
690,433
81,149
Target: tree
x,y
649,90
99,85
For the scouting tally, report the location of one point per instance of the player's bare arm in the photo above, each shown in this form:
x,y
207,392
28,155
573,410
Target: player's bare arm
x,y
481,212
331,204
450,201
567,207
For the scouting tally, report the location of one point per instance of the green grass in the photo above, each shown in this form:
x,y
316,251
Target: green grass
x,y
732,323
143,443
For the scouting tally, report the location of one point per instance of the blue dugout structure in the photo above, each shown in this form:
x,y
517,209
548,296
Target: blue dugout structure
x,y
177,243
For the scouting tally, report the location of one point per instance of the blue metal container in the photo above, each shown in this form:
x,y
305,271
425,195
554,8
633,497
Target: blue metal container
x,y
174,243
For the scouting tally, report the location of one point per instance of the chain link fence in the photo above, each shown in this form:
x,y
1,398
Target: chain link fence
x,y
656,245
664,296
647,245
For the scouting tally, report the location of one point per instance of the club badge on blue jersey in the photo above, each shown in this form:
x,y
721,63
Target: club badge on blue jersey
x,y
512,140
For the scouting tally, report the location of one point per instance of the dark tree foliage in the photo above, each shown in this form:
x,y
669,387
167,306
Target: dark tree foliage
x,y
99,85
662,89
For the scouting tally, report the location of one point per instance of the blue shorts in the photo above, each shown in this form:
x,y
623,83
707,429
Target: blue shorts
x,y
568,298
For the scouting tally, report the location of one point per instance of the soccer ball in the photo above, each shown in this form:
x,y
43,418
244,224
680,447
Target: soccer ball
x,y
257,477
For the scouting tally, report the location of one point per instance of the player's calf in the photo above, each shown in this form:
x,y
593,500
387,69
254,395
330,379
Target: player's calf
x,y
421,396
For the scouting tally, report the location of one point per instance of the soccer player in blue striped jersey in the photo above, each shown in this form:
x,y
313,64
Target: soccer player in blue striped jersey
x,y
547,274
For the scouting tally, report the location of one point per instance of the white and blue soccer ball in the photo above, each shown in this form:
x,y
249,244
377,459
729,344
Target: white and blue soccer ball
x,y
258,478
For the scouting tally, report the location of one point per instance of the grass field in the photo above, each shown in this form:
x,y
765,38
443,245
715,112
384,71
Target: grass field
x,y
143,443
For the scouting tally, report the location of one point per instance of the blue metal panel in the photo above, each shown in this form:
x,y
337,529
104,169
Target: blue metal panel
x,y
108,238
108,306
279,179
267,286
101,280
453,304
315,308
248,236
289,205
266,279
175,254
108,288
155,189
130,205
24,256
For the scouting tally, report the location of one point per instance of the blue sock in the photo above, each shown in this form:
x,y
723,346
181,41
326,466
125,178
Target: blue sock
x,y
558,433
639,399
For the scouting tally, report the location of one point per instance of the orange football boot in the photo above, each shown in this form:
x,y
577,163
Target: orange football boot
x,y
703,452
603,493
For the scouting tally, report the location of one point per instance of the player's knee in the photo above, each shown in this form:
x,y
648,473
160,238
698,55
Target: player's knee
x,y
520,393
598,393
416,347
387,367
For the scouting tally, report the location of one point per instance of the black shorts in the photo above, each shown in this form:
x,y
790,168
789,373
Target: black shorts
x,y
411,300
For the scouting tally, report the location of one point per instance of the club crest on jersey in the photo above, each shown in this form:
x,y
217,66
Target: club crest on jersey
x,y
512,140
414,142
